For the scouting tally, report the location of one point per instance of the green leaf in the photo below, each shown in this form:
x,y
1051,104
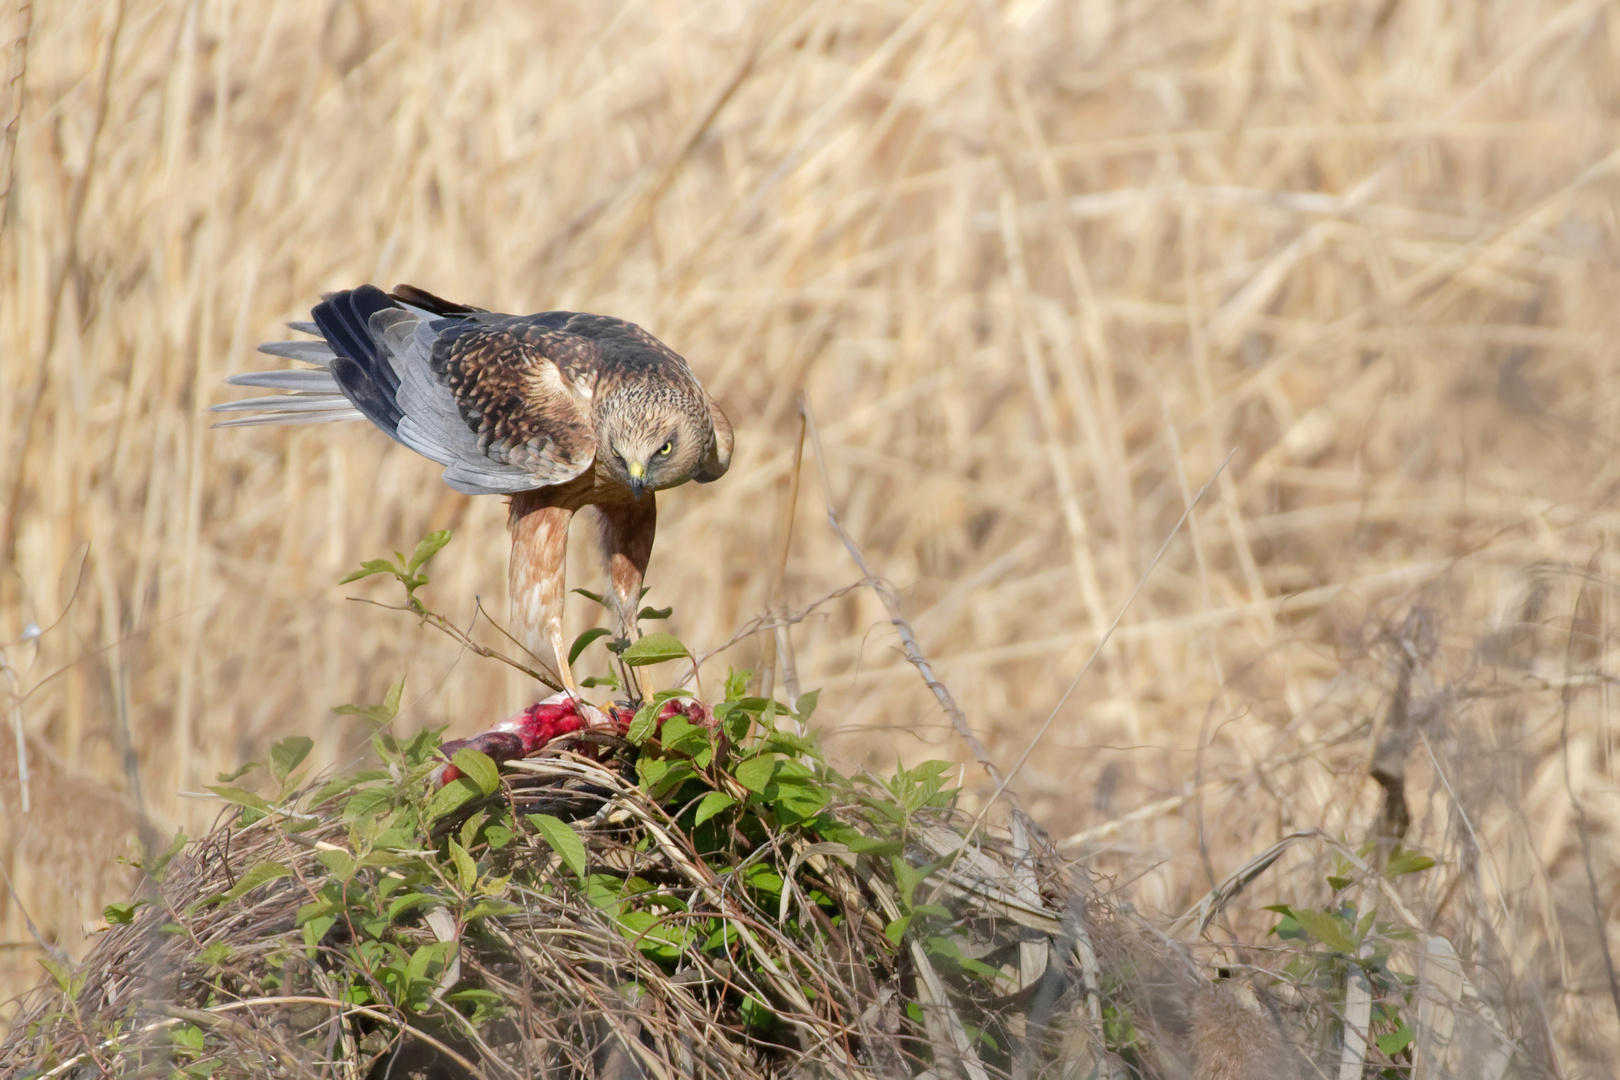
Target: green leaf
x,y
661,776
681,736
314,930
498,836
1396,1041
340,864
61,975
260,874
466,869
737,683
797,799
562,838
643,724
755,1013
945,948
470,827
896,931
1338,884
908,877
452,797
120,914
256,807
755,773
238,773
216,954
1402,861
585,639
314,910
426,548
365,803
479,767
288,754
369,567
654,649
587,594
806,705
1328,929
655,613
712,804
187,1036
610,680
434,952
377,714
476,996
871,845
410,902
485,908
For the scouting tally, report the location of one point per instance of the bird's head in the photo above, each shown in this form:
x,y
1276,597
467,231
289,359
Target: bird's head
x,y
653,438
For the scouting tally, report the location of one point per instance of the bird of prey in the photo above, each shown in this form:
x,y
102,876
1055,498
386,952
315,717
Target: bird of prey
x,y
559,410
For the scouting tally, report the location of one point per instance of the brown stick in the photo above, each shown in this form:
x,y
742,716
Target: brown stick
x,y
891,604
439,622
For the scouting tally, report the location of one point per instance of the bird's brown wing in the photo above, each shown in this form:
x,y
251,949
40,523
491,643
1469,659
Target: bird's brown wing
x,y
502,400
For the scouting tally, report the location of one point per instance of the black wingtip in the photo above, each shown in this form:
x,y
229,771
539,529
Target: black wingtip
x,y
362,371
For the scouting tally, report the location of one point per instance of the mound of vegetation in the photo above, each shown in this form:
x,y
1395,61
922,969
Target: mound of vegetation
x,y
698,896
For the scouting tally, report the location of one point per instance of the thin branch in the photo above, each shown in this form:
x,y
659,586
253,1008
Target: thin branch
x,y
439,622
891,604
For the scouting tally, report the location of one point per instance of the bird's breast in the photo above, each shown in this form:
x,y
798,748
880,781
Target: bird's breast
x,y
597,486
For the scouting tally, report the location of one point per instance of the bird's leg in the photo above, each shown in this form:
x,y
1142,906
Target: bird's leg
x,y
627,540
536,578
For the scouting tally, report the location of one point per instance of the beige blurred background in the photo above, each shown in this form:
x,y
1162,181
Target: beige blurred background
x,y
1039,267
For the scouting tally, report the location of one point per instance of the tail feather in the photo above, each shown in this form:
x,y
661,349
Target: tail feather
x,y
355,376
310,352
292,418
313,382
288,403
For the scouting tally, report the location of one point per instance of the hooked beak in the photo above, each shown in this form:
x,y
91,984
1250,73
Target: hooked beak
x,y
638,478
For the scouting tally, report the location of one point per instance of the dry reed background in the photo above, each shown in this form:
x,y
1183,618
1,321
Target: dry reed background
x,y
1039,267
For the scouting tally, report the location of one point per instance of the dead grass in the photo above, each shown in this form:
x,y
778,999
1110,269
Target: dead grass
x,y
1040,268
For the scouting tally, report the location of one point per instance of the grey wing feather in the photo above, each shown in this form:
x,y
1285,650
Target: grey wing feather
x,y
305,327
311,352
432,424
317,382
288,403
292,418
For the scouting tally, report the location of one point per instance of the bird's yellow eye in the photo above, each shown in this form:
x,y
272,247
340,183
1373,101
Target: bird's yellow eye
x,y
665,449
